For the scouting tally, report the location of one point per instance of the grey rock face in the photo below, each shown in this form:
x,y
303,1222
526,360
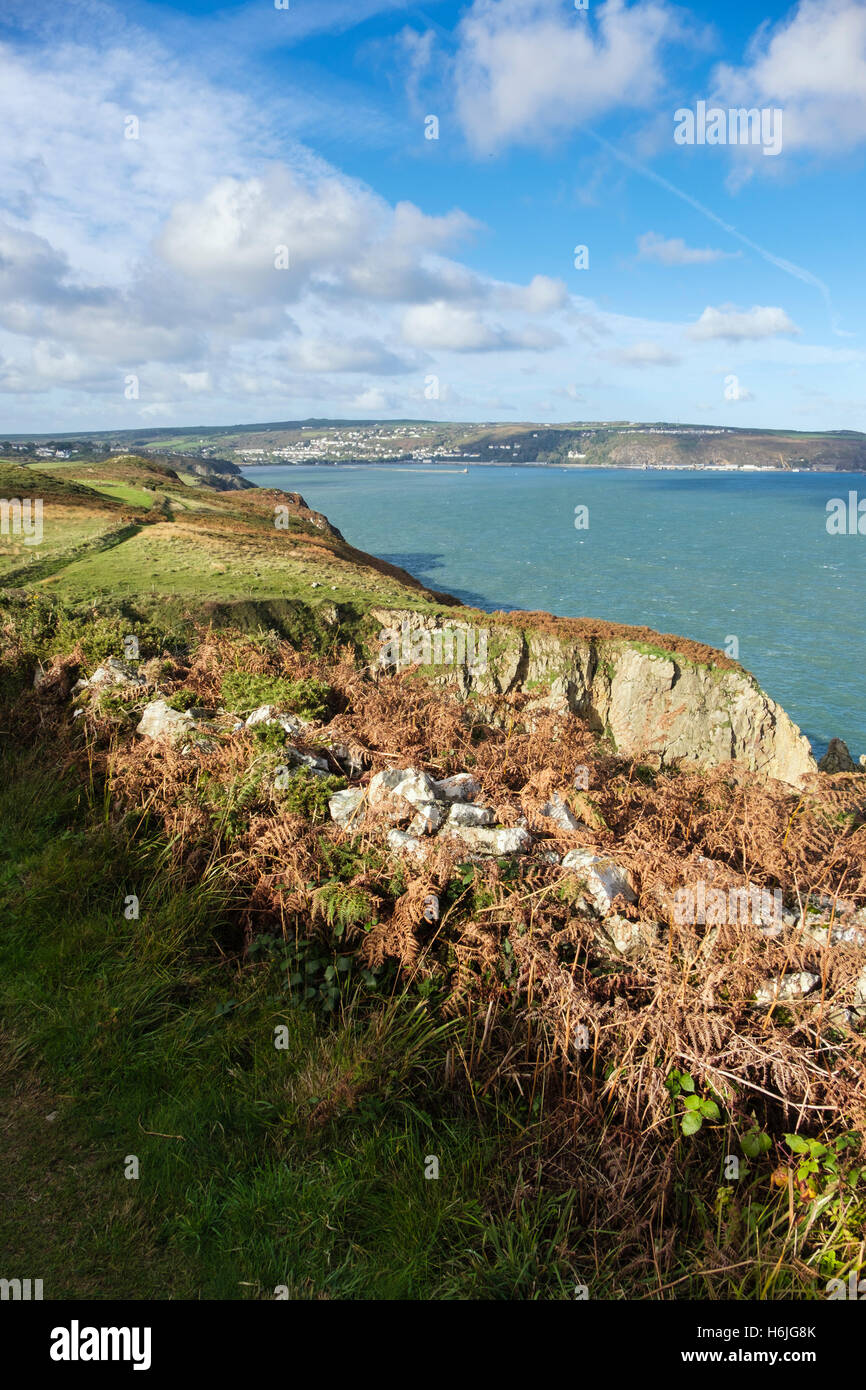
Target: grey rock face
x,y
384,783
416,788
114,672
263,715
296,758
650,702
837,758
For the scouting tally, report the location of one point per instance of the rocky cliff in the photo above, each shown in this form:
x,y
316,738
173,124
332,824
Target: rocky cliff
x,y
664,698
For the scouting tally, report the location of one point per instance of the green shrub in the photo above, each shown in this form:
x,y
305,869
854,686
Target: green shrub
x,y
244,691
182,700
308,793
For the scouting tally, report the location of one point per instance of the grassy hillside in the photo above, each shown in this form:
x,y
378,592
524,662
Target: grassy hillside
x,y
130,527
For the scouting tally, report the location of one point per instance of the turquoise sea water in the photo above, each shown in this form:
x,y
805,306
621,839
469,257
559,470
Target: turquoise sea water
x,y
708,556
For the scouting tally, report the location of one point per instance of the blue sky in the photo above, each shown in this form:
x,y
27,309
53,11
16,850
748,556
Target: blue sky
x,y
214,213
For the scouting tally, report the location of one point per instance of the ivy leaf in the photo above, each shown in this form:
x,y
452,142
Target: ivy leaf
x,y
755,1143
692,1102
796,1144
710,1110
691,1122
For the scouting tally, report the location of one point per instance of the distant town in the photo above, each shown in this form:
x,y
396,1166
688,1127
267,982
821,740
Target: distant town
x,y
608,444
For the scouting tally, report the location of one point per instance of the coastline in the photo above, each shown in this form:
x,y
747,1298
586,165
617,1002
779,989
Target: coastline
x,y
430,467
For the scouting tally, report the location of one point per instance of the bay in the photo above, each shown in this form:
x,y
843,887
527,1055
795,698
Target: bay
x,y
711,556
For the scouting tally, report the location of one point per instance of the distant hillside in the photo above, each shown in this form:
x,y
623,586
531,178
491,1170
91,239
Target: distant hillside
x,y
215,452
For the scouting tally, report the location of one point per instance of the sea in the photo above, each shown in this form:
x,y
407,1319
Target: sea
x,y
742,561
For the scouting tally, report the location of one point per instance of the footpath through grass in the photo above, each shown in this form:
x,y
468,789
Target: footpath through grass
x,y
301,1166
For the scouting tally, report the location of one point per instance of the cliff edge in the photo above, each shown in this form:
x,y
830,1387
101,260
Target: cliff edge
x,y
653,696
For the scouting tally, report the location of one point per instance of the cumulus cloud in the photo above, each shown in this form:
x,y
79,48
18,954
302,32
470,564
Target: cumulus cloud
x,y
812,65
741,325
371,399
451,328
347,355
675,252
528,70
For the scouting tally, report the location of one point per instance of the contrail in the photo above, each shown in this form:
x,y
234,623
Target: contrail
x,y
789,267
797,271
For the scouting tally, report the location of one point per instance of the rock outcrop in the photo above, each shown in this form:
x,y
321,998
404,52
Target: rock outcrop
x,y
837,758
701,708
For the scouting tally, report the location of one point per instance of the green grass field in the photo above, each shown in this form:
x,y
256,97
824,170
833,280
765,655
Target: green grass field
x,y
259,1167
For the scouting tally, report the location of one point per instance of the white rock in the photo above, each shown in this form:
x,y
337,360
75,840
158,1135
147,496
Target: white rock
x,y
560,813
483,840
427,819
345,806
292,723
298,759
782,987
627,938
464,813
263,715
159,719
461,787
383,783
604,879
416,788
837,935
114,672
402,843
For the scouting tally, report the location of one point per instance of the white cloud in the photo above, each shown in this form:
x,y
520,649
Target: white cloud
x,y
198,382
738,325
371,399
646,354
527,70
348,355
541,296
448,327
813,66
675,252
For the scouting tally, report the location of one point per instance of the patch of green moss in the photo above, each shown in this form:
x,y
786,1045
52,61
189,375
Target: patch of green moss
x,y
182,700
244,691
307,793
